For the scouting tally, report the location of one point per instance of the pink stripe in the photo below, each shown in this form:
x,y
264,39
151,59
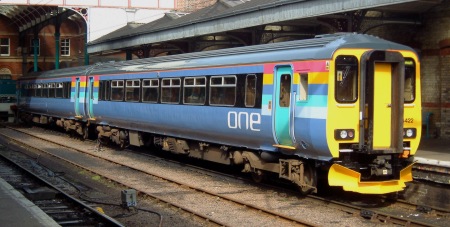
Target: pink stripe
x,y
300,66
311,66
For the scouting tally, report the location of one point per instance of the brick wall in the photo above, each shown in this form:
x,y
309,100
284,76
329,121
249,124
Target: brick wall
x,y
434,37
46,60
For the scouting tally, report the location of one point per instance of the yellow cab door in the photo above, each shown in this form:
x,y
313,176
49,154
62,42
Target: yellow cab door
x,y
382,85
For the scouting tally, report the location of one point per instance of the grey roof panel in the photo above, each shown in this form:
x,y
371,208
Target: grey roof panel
x,y
317,48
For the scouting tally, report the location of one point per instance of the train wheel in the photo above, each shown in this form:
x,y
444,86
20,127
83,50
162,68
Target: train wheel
x,y
310,179
257,176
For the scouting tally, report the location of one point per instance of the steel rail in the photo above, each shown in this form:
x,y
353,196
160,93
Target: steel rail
x,y
227,198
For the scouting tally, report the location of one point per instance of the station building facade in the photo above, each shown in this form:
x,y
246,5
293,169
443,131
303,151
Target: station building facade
x,y
17,53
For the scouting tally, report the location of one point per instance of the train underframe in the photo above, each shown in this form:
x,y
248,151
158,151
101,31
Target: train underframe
x,y
374,173
257,163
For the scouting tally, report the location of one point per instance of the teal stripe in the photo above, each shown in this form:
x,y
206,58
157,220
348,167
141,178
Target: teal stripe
x,y
314,101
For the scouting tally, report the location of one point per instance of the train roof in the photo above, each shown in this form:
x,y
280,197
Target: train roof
x,y
321,47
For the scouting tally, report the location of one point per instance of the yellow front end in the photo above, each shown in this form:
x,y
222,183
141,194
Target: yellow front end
x,y
350,180
347,115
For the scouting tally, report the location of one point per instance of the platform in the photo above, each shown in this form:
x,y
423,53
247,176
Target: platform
x,y
16,210
435,152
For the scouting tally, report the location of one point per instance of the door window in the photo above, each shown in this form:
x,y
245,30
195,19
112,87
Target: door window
x,y
285,90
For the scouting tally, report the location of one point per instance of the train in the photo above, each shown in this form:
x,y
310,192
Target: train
x,y
8,98
341,107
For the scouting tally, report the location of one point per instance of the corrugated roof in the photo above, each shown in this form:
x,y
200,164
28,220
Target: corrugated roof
x,y
229,15
168,21
121,31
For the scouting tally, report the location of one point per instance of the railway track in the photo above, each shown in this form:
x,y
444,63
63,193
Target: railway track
x,y
367,213
60,206
246,210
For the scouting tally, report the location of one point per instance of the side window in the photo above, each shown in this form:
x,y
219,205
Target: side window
x,y
38,90
346,79
303,91
67,87
101,90
222,90
4,47
195,90
170,90
285,90
410,80
107,90
132,90
44,90
150,90
117,90
59,90
250,91
51,90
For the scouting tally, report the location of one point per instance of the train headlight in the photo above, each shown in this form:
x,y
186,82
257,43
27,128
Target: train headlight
x,y
344,134
409,133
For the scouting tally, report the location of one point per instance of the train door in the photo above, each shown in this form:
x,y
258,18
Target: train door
x,y
283,106
382,92
77,100
90,97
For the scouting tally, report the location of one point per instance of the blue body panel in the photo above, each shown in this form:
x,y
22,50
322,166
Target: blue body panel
x,y
242,127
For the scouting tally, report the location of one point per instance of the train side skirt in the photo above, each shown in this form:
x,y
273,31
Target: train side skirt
x,y
350,180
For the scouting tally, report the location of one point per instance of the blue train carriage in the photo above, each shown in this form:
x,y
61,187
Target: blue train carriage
x,y
8,98
347,104
49,98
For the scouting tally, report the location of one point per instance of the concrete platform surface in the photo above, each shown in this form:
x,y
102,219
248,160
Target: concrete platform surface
x,y
434,152
16,210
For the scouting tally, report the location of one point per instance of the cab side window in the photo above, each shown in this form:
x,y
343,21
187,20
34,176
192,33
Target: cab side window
x,y
346,79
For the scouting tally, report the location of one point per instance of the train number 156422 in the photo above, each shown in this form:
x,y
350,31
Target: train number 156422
x,y
409,120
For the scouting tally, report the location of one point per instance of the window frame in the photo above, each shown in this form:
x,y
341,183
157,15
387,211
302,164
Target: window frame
x,y
339,76
196,84
135,85
253,93
64,47
44,92
151,85
173,87
117,84
7,46
224,85
51,90
59,90
303,87
38,47
414,86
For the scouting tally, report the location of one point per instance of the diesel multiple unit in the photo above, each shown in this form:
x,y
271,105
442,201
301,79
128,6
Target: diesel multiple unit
x,y
344,106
